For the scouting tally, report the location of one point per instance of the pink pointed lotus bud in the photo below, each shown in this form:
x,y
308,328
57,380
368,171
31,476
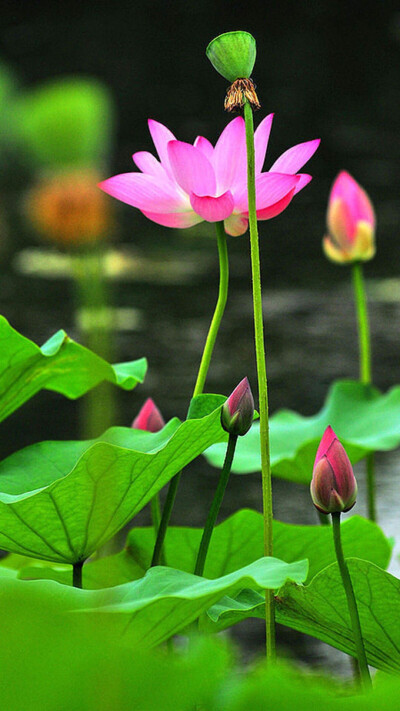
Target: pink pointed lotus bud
x,y
351,222
149,418
333,485
238,410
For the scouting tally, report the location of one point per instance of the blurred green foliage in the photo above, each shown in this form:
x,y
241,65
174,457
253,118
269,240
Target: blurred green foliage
x,y
66,122
47,665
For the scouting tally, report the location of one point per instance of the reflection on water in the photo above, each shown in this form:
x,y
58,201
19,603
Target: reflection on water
x,y
311,339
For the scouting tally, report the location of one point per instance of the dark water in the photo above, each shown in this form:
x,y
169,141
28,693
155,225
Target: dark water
x,y
324,75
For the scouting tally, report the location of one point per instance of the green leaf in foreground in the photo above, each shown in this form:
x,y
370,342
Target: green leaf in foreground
x,y
152,609
113,677
236,542
364,420
60,501
60,365
320,610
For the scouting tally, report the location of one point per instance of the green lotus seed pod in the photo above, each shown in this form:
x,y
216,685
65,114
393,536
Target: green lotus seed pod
x,y
233,54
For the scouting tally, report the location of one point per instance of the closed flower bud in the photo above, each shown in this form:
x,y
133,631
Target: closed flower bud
x,y
149,418
238,410
351,222
233,54
333,486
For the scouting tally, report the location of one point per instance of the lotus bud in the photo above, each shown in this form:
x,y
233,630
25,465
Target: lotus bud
x,y
149,418
333,486
238,410
351,222
233,55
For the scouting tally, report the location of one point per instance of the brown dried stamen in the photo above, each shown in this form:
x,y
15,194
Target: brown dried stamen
x,y
239,92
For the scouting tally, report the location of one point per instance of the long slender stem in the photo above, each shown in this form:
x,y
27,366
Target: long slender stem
x,y
261,374
77,574
166,515
155,510
201,376
92,303
352,604
215,506
364,339
363,324
219,309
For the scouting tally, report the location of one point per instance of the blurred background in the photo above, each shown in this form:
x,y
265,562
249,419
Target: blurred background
x,y
77,84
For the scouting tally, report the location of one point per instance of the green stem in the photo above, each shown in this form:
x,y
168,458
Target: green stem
x,y
77,574
219,309
215,506
92,302
363,324
261,374
352,604
155,512
364,339
166,515
201,376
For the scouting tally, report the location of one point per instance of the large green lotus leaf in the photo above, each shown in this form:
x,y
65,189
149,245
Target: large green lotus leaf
x,y
152,609
238,541
61,501
363,419
60,364
320,610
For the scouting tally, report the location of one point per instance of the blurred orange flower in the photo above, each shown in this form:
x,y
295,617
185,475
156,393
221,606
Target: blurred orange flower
x,y
68,208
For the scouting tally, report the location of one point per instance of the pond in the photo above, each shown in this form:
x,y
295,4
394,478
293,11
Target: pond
x,y
166,298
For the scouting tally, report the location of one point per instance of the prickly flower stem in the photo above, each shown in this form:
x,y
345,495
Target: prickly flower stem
x,y
201,377
261,374
365,369
77,574
352,605
215,506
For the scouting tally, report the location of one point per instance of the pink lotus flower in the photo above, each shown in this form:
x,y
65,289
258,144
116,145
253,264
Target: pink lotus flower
x,y
238,410
149,418
333,485
191,183
351,222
